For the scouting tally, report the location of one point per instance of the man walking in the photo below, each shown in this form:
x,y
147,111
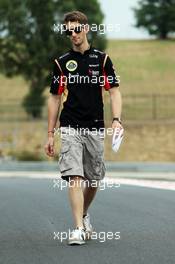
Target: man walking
x,y
77,79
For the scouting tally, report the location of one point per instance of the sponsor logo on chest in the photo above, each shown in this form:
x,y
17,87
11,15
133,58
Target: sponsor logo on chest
x,y
71,65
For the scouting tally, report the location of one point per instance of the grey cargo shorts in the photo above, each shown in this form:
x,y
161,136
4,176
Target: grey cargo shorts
x,y
81,154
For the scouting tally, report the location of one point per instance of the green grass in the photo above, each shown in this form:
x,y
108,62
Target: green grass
x,y
12,89
145,67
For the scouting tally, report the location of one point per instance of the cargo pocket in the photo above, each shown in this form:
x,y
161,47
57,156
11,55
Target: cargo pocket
x,y
65,159
98,165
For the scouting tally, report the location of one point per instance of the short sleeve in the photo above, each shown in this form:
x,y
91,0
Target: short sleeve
x,y
57,80
110,77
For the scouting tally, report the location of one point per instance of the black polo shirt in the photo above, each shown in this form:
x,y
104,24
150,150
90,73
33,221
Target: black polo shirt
x,y
81,78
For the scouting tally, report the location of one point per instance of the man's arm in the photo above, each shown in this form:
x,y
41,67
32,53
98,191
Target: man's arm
x,y
112,85
54,103
116,105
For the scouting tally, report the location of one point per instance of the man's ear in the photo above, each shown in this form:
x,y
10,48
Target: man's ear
x,y
86,28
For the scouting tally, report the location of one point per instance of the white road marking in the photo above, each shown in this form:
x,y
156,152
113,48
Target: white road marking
x,y
127,179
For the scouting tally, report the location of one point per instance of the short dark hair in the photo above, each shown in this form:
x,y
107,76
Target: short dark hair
x,y
76,16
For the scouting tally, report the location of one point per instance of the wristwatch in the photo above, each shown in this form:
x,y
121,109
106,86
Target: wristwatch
x,y
117,119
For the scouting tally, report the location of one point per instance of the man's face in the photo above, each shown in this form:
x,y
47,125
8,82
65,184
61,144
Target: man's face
x,y
77,33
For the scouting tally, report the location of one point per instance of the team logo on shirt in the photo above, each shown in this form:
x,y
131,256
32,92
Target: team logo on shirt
x,y
71,65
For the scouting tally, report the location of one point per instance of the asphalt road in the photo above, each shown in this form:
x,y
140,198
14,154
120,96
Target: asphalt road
x,y
31,210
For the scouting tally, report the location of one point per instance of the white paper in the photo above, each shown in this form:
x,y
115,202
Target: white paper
x,y
117,138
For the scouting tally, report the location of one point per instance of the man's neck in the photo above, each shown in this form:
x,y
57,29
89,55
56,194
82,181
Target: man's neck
x,y
82,48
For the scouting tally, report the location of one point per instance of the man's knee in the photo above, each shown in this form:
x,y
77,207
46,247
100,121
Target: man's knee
x,y
76,181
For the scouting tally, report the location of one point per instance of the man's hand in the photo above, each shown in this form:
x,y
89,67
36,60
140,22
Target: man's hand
x,y
116,124
49,147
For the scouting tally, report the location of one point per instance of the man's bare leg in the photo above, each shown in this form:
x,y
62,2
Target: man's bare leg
x,y
76,200
89,193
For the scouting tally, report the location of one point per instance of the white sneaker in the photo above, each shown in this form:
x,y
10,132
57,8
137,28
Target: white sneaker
x,y
77,237
87,225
